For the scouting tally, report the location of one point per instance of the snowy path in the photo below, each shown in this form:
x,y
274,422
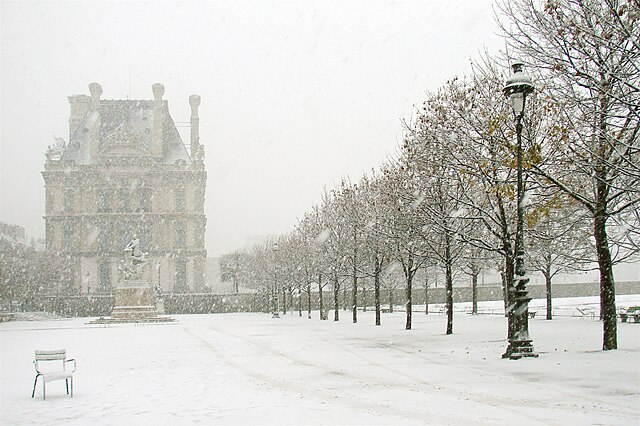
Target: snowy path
x,y
252,369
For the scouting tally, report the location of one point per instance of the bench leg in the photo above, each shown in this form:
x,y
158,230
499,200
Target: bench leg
x,y
71,386
44,393
66,382
35,382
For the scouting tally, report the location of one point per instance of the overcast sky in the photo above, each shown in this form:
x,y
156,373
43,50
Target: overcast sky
x,y
295,95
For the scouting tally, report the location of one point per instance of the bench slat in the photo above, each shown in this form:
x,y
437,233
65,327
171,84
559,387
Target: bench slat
x,y
51,352
50,357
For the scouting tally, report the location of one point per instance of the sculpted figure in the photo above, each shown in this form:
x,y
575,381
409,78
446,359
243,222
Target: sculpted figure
x,y
134,247
133,269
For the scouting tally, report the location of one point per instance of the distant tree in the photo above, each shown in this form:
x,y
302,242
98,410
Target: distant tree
x,y
429,157
558,241
27,275
375,245
230,267
403,228
352,223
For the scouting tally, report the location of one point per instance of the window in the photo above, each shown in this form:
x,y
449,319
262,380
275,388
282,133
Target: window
x,y
104,237
179,197
123,197
68,201
180,234
144,235
126,234
181,276
145,200
68,234
104,278
104,201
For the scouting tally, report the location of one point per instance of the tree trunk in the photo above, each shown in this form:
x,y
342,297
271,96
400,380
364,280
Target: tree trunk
x,y
390,300
376,291
344,298
336,306
364,296
291,300
449,295
607,284
354,296
300,301
547,280
474,293
309,301
408,272
284,300
426,293
355,278
448,263
320,298
409,302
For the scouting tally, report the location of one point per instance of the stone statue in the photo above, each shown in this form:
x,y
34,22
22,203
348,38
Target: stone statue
x,y
133,269
55,151
133,246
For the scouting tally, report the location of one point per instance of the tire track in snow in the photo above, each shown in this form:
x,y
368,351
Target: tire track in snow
x,y
613,408
351,402
414,385
501,402
617,409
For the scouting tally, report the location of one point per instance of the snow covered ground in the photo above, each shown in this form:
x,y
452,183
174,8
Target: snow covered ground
x,y
252,369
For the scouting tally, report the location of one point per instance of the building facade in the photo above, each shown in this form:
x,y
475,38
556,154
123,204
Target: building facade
x,y
126,171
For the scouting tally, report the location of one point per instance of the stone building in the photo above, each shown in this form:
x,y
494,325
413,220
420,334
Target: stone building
x,y
126,171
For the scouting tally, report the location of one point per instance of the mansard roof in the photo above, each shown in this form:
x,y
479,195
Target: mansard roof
x,y
124,128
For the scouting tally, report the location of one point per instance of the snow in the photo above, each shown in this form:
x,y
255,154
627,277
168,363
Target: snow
x,y
253,369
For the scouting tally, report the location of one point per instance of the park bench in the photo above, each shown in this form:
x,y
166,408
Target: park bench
x,y
586,312
52,365
630,312
532,314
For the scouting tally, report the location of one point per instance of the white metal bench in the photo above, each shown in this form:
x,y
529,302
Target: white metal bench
x,y
49,371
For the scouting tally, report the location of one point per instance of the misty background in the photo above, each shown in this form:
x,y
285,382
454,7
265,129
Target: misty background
x,y
295,95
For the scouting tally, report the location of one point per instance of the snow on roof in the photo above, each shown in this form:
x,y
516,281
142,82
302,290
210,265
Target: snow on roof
x,y
127,122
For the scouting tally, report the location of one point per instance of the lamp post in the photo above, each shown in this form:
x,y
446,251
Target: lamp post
x,y
516,89
276,295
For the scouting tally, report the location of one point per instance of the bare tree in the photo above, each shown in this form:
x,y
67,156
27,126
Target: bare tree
x,y
558,241
587,53
403,228
352,225
230,267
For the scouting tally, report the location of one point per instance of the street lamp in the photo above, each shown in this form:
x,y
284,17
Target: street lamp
x,y
276,307
516,89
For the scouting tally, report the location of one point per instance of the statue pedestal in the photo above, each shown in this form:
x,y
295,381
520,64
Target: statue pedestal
x,y
135,298
135,302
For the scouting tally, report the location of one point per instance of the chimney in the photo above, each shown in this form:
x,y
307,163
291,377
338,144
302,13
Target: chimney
x,y
94,122
96,90
78,106
157,143
194,101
